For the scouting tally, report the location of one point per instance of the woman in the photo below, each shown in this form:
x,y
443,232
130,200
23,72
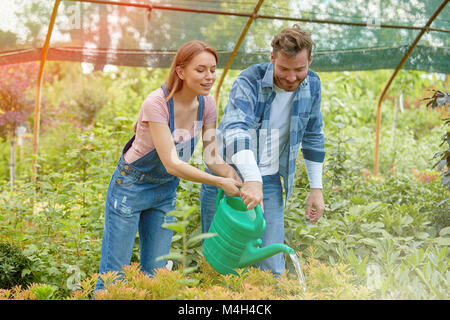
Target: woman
x,y
143,187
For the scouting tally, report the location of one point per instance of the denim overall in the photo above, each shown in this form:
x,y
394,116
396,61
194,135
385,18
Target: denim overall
x,y
140,194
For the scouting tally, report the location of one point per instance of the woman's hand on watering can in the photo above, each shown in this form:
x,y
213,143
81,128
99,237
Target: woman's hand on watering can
x,y
233,175
252,194
230,186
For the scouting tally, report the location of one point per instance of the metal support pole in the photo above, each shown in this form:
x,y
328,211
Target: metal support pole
x,y
37,105
383,93
236,48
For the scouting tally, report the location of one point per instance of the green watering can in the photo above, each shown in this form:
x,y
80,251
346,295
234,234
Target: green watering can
x,y
239,233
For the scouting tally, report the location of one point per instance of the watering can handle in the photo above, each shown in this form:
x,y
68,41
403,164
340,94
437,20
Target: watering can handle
x,y
219,197
258,210
221,194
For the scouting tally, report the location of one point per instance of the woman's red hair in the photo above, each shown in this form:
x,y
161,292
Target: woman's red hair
x,y
184,55
182,58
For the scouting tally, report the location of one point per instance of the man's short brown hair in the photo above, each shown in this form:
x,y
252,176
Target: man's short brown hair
x,y
291,41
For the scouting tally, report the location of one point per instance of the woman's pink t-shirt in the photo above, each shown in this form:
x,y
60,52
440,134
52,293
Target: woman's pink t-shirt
x,y
155,109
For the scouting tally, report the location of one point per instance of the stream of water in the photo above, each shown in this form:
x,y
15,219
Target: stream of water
x,y
298,269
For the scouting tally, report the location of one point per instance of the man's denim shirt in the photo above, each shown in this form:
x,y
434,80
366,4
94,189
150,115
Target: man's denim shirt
x,y
247,115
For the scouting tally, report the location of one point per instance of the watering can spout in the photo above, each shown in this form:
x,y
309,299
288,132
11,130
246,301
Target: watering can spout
x,y
253,253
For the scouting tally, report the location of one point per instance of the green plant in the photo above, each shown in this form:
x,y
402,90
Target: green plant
x,y
442,99
188,250
323,282
15,267
374,238
336,166
44,292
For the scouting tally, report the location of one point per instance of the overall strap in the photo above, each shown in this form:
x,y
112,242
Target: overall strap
x,y
201,107
171,112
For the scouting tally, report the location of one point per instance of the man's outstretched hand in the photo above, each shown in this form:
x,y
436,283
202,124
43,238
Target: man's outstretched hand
x,y
314,205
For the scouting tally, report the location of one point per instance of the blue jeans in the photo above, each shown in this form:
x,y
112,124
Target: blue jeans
x,y
273,214
125,214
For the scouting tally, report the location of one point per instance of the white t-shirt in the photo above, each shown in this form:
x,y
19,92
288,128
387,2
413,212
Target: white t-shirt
x,y
272,143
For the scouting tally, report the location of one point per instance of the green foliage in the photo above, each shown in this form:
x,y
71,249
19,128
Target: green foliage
x,y
14,267
337,156
44,292
186,242
127,89
382,237
324,282
59,225
442,99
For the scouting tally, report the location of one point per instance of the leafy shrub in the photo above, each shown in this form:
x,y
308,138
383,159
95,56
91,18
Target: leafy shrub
x,y
379,224
323,282
14,266
443,99
255,284
43,291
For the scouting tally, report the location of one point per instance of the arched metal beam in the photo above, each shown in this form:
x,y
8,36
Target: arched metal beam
x,y
256,16
386,88
236,48
37,105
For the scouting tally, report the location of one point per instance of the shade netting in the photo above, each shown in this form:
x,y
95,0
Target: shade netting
x,y
349,35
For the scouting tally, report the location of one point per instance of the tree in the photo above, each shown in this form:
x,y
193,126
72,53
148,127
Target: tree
x,y
15,105
7,40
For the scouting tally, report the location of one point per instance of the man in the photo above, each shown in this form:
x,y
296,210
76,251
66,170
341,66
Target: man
x,y
273,108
